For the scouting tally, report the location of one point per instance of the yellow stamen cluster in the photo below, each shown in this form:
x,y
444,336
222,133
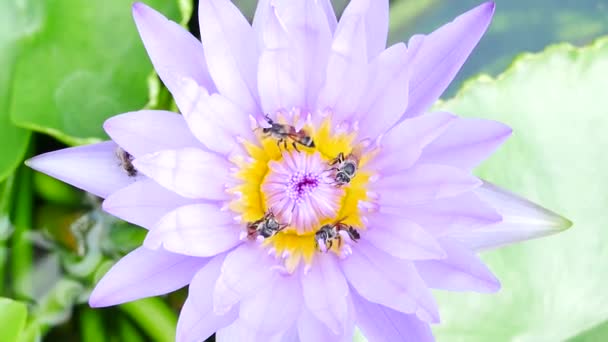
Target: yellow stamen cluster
x,y
250,201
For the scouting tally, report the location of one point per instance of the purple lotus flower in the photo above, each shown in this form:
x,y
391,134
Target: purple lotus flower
x,y
306,189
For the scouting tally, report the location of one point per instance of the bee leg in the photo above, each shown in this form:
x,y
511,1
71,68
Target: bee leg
x,y
285,144
295,147
336,160
332,169
330,243
283,226
340,157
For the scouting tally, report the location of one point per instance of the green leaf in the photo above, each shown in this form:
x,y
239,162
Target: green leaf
x,y
55,191
15,20
12,315
552,288
597,333
82,63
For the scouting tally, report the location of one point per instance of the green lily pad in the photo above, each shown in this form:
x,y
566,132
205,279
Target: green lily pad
x,y
15,21
553,288
12,315
82,63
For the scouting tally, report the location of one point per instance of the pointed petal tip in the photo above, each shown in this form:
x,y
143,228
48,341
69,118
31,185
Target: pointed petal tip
x,y
565,223
115,122
30,163
557,222
550,221
38,162
489,283
507,131
138,8
487,9
96,300
522,220
503,132
494,285
94,303
490,6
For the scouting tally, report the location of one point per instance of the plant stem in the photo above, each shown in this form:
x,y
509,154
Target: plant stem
x,y
91,326
21,256
154,317
6,196
127,331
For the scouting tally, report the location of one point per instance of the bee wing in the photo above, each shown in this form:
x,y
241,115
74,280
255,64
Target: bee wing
x,y
358,151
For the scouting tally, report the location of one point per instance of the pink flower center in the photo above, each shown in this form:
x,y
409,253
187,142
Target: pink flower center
x,y
301,184
300,191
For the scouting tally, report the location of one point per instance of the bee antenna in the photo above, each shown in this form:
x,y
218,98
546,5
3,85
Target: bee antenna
x,y
342,219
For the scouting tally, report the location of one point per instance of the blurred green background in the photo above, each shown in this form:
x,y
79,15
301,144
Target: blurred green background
x,y
67,65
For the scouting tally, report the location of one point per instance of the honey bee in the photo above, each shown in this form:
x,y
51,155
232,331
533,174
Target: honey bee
x,y
126,160
265,227
345,167
283,133
329,233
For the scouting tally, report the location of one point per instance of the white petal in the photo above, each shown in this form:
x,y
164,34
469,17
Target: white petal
x,y
197,320
401,238
274,307
144,273
326,291
148,131
404,143
143,203
172,49
231,51
385,98
296,40
375,13
346,76
386,280
245,271
522,220
93,168
461,270
441,54
190,172
197,230
213,119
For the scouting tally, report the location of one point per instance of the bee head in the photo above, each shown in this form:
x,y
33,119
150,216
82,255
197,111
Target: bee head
x,y
321,234
342,177
273,224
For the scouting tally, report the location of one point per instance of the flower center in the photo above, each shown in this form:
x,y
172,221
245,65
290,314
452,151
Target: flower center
x,y
300,190
290,195
301,184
